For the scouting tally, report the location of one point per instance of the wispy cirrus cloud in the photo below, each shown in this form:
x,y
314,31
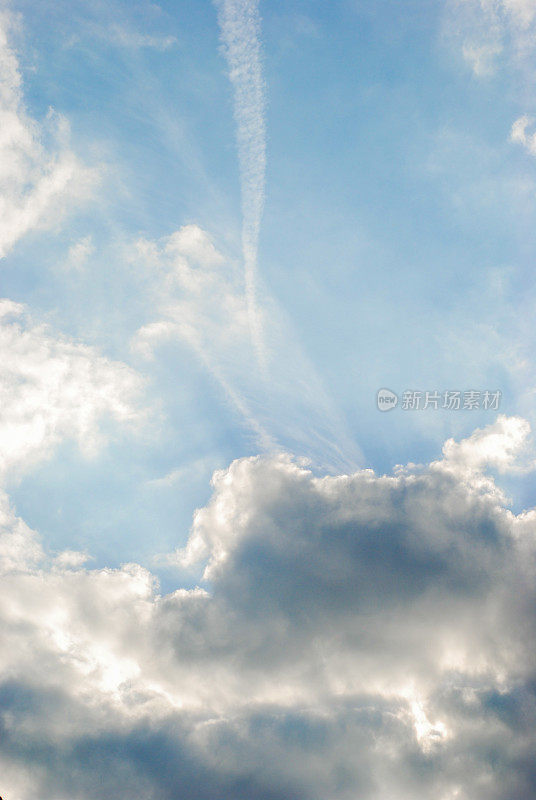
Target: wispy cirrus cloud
x,y
38,183
198,299
240,33
124,35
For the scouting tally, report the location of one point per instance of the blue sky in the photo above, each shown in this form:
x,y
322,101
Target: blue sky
x,y
396,235
224,227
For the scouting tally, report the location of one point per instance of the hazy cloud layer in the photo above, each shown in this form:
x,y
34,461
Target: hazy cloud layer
x,y
358,634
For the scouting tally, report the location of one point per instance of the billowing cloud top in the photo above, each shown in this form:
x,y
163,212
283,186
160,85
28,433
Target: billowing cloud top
x,y
356,633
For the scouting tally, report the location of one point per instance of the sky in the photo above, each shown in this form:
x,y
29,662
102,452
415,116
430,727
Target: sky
x,y
267,382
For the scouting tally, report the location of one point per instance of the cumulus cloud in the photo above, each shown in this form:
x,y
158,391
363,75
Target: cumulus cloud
x,y
500,445
38,182
199,301
358,635
52,388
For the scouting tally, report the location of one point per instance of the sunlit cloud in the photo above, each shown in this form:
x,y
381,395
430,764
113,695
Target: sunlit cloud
x,y
388,616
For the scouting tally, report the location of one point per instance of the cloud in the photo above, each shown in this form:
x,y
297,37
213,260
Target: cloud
x,y
499,445
493,33
198,468
20,547
78,253
240,32
482,57
38,183
124,37
358,635
52,388
519,134
523,12
198,300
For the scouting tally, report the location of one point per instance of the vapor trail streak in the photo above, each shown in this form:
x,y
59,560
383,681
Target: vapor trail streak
x,y
239,22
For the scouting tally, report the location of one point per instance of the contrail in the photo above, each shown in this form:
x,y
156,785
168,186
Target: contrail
x,y
239,22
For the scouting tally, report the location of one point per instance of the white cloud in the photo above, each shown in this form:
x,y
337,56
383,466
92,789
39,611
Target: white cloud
x,y
499,445
362,635
72,558
20,547
37,184
52,388
519,134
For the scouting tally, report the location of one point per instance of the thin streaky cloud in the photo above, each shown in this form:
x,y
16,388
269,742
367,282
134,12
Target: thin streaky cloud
x,y
239,22
200,302
39,184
